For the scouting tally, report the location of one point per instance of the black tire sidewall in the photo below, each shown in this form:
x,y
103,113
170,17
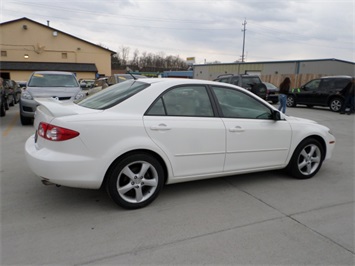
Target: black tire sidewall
x,y
118,166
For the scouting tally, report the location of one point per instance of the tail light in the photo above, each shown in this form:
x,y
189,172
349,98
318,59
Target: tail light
x,y
55,133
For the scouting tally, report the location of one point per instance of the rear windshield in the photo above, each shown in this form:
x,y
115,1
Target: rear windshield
x,y
113,95
52,80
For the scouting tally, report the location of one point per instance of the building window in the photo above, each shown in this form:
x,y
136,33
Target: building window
x,y
3,53
64,56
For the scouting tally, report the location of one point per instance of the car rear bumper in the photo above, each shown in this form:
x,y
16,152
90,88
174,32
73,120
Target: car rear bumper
x,y
65,169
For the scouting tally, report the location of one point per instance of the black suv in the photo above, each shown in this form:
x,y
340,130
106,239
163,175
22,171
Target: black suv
x,y
252,83
320,92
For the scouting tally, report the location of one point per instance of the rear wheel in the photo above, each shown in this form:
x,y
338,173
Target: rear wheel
x,y
135,181
307,159
335,104
291,101
2,109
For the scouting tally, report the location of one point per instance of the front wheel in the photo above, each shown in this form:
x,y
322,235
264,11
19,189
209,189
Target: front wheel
x,y
307,159
26,120
135,181
335,104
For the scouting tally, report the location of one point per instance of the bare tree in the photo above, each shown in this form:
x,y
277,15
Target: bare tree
x,y
148,62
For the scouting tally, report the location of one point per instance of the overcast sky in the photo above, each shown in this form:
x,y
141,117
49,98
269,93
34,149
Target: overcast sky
x,y
209,30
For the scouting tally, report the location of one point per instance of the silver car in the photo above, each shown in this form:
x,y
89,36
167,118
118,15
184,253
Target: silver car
x,y
62,86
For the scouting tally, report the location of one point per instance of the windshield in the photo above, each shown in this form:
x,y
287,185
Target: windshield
x,y
52,80
113,95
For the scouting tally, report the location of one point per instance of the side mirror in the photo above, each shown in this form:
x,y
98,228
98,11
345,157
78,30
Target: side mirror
x,y
276,115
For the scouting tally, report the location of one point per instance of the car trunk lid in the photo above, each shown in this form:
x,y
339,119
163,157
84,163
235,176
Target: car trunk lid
x,y
50,108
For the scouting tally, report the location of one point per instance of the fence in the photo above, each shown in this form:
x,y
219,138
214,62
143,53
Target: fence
x,y
296,80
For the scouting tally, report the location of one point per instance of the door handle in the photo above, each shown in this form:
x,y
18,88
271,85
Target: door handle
x,y
236,129
161,127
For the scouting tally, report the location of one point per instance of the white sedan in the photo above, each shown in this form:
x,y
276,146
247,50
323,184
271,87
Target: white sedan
x,y
134,137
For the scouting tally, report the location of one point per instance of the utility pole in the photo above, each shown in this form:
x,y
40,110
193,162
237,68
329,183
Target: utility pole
x,y
243,30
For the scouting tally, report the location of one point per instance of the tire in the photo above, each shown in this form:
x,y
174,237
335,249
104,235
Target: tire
x,y
12,100
135,181
291,101
335,104
2,110
6,104
17,97
12,103
26,120
310,106
307,159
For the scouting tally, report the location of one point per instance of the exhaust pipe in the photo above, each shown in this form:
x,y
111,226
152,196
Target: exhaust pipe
x,y
46,182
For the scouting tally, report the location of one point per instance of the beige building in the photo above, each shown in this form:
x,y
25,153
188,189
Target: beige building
x,y
28,46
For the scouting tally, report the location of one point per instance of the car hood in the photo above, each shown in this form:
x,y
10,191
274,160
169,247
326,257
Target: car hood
x,y
298,119
53,91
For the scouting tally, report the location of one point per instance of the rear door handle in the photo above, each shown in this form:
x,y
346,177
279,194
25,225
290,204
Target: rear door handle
x,y
160,127
236,129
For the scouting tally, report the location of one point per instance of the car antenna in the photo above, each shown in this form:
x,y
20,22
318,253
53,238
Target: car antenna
x,y
129,72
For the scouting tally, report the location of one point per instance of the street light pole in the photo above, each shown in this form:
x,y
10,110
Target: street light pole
x,y
243,30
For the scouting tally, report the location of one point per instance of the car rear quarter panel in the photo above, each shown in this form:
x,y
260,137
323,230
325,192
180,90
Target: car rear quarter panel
x,y
108,137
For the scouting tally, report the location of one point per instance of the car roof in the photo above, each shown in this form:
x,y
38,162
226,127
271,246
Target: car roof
x,y
183,81
54,72
338,76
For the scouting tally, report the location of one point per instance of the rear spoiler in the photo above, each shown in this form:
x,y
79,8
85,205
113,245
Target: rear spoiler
x,y
56,108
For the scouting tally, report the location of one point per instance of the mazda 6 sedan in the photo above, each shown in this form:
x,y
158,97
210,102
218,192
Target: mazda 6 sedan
x,y
137,136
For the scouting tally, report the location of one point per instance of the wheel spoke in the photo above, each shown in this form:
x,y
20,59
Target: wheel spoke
x,y
144,169
150,182
304,153
315,159
302,164
128,172
313,149
309,169
123,190
139,194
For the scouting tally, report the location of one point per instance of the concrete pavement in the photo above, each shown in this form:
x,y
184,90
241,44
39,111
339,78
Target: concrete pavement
x,y
256,219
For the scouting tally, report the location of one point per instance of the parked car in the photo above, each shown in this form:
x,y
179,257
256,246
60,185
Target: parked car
x,y
136,136
2,99
117,78
61,86
252,83
11,91
272,93
320,92
87,84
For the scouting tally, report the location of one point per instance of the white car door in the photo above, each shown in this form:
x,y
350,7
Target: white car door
x,y
254,139
182,123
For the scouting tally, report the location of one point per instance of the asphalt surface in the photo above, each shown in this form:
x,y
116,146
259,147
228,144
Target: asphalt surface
x,y
265,218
